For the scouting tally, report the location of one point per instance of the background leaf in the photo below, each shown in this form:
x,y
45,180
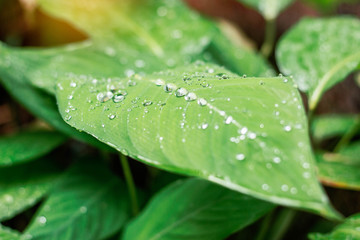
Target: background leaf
x,y
26,146
318,59
202,211
24,185
255,127
341,170
350,229
270,9
90,203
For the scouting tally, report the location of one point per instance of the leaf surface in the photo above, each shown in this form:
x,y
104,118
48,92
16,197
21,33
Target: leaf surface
x,y
202,211
24,185
270,9
90,203
26,146
320,53
237,132
350,229
8,234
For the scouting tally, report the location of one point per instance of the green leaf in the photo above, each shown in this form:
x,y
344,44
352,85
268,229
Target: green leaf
x,y
341,170
26,146
8,234
320,53
24,185
197,201
90,203
328,126
270,9
243,133
350,229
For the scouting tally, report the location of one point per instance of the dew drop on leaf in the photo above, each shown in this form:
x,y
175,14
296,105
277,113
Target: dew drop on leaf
x,y
190,97
180,92
202,102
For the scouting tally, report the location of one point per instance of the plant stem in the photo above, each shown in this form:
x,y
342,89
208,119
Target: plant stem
x,y
346,138
270,33
130,184
282,223
265,226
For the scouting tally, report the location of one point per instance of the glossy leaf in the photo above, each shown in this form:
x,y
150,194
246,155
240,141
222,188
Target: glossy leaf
x,y
341,169
90,203
320,53
328,126
350,229
8,234
24,185
26,146
270,9
238,132
202,211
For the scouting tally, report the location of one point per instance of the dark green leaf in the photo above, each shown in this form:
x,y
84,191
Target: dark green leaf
x,y
270,9
349,230
8,234
26,146
320,53
195,209
90,203
243,133
328,126
24,185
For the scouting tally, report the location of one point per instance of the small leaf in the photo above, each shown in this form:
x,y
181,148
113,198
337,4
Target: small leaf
x,y
201,120
24,185
320,53
90,203
328,126
350,229
8,234
26,146
202,211
341,170
270,9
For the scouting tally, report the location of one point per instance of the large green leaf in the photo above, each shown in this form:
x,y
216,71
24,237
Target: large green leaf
x,y
8,234
90,203
341,169
26,146
328,126
320,53
270,9
202,211
349,230
24,185
243,133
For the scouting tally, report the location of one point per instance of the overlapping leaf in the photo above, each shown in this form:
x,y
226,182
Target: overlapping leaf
x,y
90,203
320,53
26,146
202,211
8,234
350,229
270,9
243,133
24,185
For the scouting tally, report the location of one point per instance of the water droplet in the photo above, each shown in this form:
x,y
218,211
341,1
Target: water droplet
x,y
252,135
8,198
147,103
261,125
306,175
202,102
287,128
276,160
306,165
204,126
293,190
83,209
284,187
222,76
190,97
169,87
265,187
180,92
42,220
240,156
73,84
243,130
140,63
131,83
285,80
70,97
118,98
159,82
111,116
67,118
228,120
